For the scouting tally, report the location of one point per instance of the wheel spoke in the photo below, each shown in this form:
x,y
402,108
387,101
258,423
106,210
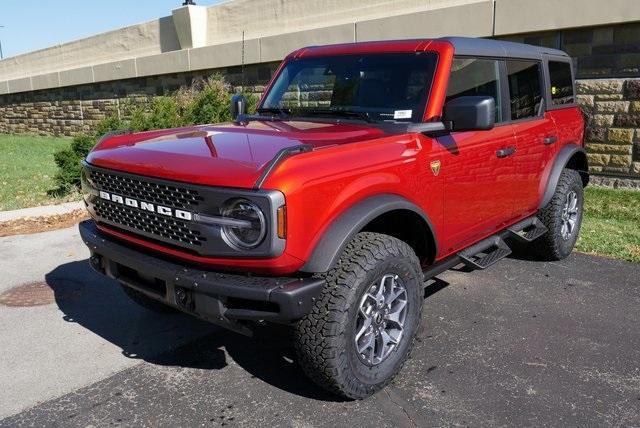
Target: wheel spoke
x,y
574,202
394,295
382,287
365,310
365,326
387,340
372,352
369,341
394,316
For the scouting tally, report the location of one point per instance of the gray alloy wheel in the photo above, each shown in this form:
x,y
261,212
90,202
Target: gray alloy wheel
x,y
361,329
569,215
562,216
380,319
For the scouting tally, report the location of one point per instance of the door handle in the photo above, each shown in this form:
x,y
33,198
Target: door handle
x,y
550,140
503,153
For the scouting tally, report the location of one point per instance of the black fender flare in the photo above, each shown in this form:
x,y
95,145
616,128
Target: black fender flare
x,y
560,163
329,248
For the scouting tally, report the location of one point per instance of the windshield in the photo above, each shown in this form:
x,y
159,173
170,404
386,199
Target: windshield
x,y
373,87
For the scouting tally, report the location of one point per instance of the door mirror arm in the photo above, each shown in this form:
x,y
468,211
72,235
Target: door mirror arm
x,y
428,128
238,108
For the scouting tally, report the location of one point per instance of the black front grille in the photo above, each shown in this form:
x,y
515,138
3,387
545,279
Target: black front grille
x,y
141,189
144,221
165,211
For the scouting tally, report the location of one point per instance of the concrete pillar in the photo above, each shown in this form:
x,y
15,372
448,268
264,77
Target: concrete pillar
x,y
191,26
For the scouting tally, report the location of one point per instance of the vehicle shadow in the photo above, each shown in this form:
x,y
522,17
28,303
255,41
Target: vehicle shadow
x,y
98,304
522,251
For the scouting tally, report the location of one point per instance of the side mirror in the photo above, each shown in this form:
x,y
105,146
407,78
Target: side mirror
x,y
238,106
470,113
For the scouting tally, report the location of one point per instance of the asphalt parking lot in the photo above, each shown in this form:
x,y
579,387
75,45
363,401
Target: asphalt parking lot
x,y
522,343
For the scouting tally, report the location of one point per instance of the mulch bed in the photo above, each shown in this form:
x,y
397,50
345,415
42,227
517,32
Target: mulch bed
x,y
28,225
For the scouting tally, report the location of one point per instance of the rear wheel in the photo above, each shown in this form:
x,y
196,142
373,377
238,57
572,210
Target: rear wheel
x,y
361,329
563,217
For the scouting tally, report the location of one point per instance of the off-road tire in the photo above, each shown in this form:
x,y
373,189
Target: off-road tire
x,y
551,246
324,339
147,302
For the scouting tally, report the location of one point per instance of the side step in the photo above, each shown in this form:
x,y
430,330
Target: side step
x,y
485,253
528,230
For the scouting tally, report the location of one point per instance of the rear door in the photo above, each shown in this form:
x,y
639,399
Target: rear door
x,y
478,193
535,132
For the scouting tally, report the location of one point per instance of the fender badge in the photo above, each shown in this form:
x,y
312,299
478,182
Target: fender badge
x,y
435,167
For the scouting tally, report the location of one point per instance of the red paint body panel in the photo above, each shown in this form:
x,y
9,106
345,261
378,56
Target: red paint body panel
x,y
474,195
225,155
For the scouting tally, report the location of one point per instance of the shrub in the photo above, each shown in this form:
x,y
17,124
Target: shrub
x,y
111,123
163,112
205,101
69,163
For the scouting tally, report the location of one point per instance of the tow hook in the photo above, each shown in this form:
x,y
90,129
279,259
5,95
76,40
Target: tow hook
x,y
184,298
96,263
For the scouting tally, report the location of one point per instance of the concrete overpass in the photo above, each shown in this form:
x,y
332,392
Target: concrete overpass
x,y
197,37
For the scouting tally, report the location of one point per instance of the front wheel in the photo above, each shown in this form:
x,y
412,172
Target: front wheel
x,y
563,217
361,329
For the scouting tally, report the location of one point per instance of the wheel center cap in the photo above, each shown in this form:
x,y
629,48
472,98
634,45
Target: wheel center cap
x,y
378,318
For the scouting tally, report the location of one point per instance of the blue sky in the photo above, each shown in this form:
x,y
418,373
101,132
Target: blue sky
x,y
37,24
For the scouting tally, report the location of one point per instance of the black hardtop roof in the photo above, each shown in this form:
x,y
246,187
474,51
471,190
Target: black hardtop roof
x,y
500,48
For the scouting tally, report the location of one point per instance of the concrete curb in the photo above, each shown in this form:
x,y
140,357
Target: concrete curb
x,y
43,211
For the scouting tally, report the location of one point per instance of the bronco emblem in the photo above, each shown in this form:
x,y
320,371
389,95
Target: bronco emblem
x,y
145,206
435,167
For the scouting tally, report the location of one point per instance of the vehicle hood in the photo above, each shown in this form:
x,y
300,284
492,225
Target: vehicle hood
x,y
225,155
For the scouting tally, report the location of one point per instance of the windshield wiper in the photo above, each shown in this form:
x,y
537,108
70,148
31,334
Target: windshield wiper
x,y
342,113
282,112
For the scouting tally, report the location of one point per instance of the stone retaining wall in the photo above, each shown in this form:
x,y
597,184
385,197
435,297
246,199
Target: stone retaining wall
x,y
75,109
611,107
612,111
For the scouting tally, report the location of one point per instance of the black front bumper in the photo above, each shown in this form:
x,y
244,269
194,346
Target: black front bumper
x,y
221,298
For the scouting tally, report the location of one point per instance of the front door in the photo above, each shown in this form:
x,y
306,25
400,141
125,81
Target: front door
x,y
478,166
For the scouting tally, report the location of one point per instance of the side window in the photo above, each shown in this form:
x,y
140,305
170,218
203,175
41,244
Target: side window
x,y
471,76
561,83
524,88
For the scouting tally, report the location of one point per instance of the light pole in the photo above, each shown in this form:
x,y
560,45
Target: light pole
x,y
1,54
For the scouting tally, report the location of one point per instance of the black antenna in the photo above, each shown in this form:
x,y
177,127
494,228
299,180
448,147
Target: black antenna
x,y
1,54
242,67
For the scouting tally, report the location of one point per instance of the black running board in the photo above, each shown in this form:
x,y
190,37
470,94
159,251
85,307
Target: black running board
x,y
485,253
494,248
528,230
490,250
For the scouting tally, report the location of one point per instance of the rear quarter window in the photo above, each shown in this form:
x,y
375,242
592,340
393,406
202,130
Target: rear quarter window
x,y
561,83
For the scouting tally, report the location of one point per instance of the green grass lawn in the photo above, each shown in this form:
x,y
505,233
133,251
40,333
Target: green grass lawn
x,y
611,225
27,170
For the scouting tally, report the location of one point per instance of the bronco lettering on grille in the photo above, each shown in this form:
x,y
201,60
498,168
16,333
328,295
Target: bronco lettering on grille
x,y
146,206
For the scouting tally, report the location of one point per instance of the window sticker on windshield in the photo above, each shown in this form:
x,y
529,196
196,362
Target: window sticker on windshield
x,y
402,114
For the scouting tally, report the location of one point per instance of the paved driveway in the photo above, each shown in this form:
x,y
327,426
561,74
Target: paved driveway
x,y
523,343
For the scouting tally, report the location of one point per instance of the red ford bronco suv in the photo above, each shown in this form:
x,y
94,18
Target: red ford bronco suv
x,y
368,168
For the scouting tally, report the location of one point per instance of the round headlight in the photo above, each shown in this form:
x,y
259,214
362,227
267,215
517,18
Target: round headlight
x,y
250,228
